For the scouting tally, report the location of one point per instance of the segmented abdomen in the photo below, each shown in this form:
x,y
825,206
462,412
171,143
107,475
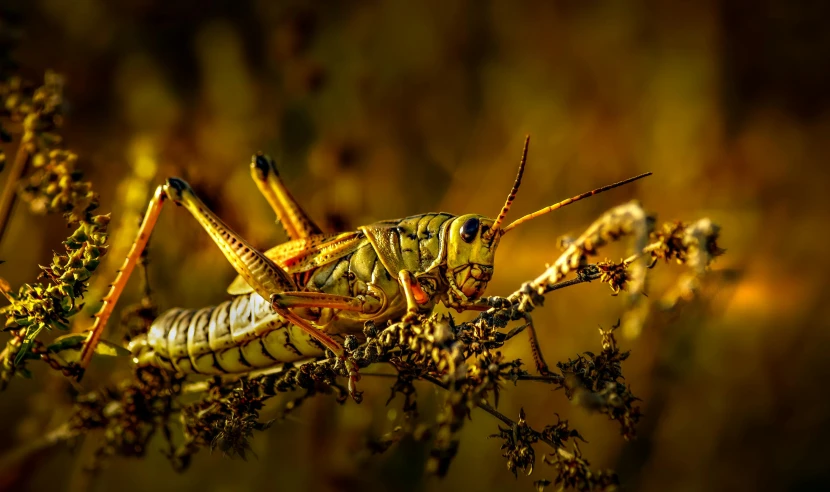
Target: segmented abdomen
x,y
236,336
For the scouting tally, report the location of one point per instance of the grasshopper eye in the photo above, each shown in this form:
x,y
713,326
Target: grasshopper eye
x,y
469,229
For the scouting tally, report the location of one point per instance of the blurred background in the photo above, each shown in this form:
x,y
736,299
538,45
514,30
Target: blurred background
x,y
378,110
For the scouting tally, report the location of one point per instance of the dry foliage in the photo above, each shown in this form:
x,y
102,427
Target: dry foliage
x,y
462,358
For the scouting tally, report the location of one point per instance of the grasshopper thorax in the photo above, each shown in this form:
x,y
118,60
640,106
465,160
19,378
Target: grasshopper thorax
x,y
470,254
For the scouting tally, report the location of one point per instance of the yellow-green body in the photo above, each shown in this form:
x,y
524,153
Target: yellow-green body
x,y
320,287
244,333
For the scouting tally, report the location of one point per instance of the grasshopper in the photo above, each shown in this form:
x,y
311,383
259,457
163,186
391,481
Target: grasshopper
x,y
302,297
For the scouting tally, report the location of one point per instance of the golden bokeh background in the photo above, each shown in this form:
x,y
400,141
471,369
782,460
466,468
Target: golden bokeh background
x,y
378,110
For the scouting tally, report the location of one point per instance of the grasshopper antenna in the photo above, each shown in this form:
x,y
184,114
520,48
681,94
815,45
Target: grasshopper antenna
x,y
512,196
561,204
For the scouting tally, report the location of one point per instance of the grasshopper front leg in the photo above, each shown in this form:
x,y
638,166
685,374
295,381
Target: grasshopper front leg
x,y
485,304
413,293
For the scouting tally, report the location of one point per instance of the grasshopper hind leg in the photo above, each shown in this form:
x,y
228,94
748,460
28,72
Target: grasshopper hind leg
x,y
265,276
290,214
259,271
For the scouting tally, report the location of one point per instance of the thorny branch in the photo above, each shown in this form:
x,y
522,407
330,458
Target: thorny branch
x,y
464,359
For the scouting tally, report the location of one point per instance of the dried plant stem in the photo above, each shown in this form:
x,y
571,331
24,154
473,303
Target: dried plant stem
x,y
9,196
484,405
625,220
507,420
567,283
541,379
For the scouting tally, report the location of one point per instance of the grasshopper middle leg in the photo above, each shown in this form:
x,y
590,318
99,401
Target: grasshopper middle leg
x,y
533,339
535,348
321,300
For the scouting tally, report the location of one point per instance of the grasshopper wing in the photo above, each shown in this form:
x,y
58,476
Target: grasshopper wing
x,y
305,254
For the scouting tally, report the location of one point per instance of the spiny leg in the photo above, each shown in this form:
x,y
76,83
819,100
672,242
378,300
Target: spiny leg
x,y
262,274
325,301
535,348
109,300
290,214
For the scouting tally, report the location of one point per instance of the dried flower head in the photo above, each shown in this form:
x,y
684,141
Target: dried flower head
x,y
518,445
692,244
574,472
55,186
616,275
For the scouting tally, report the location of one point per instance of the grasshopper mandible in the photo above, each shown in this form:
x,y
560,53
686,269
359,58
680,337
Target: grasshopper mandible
x,y
319,287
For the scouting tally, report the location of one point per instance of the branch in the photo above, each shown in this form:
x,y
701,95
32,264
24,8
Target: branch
x,y
9,197
624,220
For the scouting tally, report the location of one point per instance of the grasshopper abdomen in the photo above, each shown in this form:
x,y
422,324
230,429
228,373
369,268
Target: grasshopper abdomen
x,y
235,336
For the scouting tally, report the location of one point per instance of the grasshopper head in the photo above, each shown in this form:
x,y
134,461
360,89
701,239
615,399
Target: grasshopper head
x,y
470,254
472,244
